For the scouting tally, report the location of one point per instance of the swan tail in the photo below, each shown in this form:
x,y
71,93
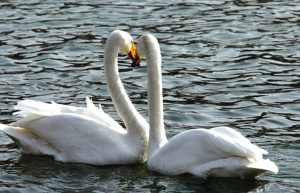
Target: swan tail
x,y
28,141
264,164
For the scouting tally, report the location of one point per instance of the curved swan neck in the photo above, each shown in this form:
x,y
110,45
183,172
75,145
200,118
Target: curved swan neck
x,y
157,136
132,119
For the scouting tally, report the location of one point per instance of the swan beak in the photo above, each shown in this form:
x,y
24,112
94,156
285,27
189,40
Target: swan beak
x,y
131,54
136,62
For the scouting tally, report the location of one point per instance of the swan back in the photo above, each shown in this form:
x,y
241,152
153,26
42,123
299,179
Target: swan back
x,y
207,152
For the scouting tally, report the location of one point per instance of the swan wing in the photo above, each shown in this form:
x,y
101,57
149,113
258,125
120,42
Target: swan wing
x,y
72,138
97,113
197,147
27,107
229,132
238,136
231,141
30,109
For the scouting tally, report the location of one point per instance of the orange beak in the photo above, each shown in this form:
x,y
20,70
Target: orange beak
x,y
132,53
136,62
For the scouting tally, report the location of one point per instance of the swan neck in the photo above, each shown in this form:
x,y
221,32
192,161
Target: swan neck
x,y
157,136
133,121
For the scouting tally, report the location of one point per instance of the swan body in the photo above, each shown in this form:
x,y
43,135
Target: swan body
x,y
219,152
85,135
210,153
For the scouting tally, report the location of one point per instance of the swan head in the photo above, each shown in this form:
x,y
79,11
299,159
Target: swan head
x,y
146,43
140,54
124,41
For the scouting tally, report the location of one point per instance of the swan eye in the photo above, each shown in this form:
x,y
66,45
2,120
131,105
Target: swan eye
x,y
132,54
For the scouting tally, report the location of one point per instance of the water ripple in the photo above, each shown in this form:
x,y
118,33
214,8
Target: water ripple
x,y
233,63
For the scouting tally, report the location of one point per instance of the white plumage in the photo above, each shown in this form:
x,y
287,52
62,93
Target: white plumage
x,y
85,135
220,151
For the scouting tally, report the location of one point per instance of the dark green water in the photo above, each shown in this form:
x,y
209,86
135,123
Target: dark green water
x,y
232,63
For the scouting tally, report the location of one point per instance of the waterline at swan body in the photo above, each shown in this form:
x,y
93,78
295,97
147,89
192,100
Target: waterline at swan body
x,y
86,135
219,152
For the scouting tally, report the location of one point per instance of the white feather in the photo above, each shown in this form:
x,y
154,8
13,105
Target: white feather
x,y
85,135
220,151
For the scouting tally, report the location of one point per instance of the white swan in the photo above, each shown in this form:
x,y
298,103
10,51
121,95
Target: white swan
x,y
219,152
86,135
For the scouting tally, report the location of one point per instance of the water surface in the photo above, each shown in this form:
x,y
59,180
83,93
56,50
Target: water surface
x,y
225,63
